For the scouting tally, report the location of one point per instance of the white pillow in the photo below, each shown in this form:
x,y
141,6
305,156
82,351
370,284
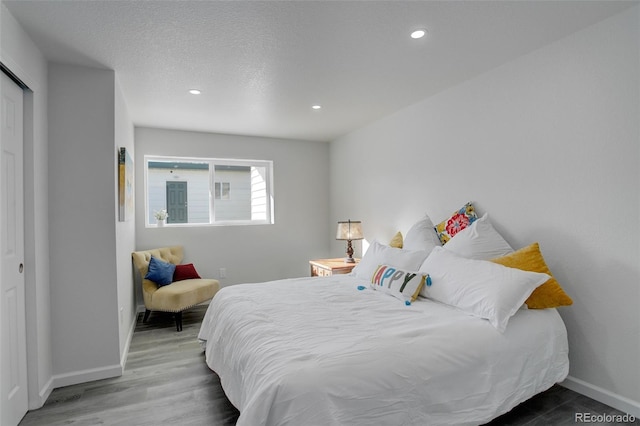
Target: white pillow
x,y
479,241
379,254
422,236
403,285
481,288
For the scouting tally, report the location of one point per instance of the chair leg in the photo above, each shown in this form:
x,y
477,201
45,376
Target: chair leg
x,y
146,315
178,321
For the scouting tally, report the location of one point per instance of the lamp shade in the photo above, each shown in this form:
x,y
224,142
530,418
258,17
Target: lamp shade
x,y
349,230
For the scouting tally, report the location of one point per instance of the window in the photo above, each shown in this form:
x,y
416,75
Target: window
x,y
209,191
222,190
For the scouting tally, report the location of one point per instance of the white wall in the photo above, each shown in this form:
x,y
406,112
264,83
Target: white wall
x,y
549,146
82,219
250,253
125,231
23,58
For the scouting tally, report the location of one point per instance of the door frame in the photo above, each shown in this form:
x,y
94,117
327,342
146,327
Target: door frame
x,y
36,251
12,278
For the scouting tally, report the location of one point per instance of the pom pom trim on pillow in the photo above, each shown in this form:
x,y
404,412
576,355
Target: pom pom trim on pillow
x,y
458,221
550,294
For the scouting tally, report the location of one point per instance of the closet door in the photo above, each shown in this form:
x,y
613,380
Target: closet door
x,y
13,353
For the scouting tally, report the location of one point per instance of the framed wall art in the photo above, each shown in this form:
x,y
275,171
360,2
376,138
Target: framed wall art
x,y
125,185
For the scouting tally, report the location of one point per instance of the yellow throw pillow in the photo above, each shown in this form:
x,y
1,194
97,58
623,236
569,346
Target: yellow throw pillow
x,y
549,294
396,241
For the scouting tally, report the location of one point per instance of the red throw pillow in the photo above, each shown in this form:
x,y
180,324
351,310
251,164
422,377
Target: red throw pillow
x,y
185,272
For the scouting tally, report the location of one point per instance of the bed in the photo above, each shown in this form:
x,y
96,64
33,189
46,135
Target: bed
x,y
318,351
456,344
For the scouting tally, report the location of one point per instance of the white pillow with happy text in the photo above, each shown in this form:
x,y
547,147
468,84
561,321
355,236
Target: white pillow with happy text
x,y
403,285
379,254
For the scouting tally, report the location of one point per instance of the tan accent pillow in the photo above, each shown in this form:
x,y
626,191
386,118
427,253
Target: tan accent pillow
x,y
549,294
396,241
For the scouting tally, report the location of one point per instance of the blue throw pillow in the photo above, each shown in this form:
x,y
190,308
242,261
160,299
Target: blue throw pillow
x,y
160,272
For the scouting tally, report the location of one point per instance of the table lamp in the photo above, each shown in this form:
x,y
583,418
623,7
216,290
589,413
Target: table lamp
x,y
349,230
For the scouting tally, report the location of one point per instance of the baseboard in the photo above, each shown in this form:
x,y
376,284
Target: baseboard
x,y
125,351
83,376
73,378
614,400
42,397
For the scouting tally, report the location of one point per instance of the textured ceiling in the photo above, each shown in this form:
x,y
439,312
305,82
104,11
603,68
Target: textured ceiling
x,y
262,65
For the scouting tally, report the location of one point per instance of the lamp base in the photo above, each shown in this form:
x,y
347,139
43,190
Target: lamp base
x,y
349,258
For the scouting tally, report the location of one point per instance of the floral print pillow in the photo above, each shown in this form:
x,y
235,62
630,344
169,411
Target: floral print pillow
x,y
458,221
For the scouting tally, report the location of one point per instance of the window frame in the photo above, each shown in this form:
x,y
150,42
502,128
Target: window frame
x,y
213,162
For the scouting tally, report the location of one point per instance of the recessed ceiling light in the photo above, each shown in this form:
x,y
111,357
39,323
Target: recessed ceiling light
x,y
418,34
195,91
316,107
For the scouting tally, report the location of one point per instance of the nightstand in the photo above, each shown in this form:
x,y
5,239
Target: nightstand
x,y
328,267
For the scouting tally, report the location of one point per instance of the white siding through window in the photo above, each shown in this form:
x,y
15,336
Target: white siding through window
x,y
258,193
197,188
238,205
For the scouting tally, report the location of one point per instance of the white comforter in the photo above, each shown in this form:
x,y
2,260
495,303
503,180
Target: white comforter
x,y
317,351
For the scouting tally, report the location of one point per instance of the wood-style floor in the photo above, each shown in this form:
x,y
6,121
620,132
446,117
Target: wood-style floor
x,y
166,382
